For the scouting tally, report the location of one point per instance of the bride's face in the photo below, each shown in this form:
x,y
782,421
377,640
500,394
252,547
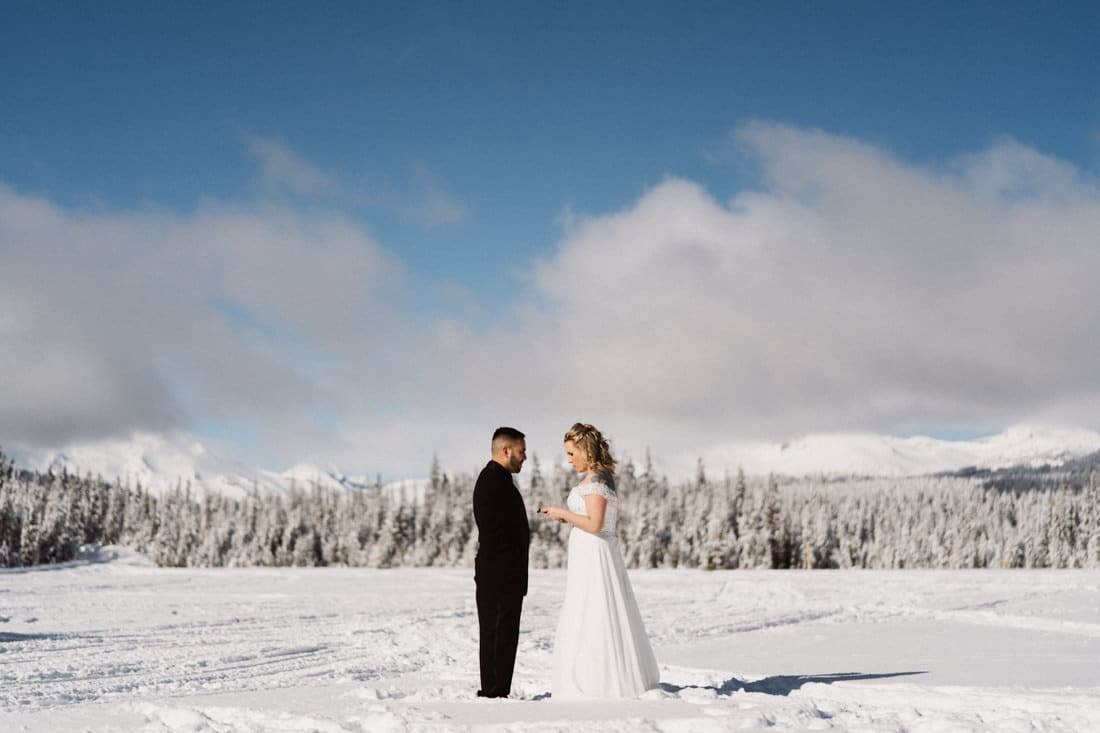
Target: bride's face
x,y
577,459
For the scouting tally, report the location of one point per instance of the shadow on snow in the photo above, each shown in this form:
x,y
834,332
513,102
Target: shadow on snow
x,y
6,638
785,684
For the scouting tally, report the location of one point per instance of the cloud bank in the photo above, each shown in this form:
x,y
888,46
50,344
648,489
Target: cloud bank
x,y
851,290
115,321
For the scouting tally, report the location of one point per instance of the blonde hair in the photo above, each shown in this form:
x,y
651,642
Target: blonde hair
x,y
597,452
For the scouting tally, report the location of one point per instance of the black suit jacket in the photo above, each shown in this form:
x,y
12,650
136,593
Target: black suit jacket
x,y
503,532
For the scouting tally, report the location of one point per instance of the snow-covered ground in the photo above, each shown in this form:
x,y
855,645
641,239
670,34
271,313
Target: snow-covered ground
x,y
120,645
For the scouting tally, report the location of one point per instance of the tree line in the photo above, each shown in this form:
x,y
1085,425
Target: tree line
x,y
955,521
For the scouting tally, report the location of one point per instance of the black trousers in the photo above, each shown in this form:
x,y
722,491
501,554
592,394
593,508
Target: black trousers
x,y
498,620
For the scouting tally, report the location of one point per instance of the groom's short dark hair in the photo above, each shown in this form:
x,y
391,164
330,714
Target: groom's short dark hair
x,y
511,434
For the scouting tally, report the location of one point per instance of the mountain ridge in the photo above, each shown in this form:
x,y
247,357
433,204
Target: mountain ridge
x,y
161,461
871,454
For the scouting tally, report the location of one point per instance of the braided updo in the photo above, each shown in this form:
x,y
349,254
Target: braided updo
x,y
595,447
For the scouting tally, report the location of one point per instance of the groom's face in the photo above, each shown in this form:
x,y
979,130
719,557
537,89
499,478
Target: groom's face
x,y
516,454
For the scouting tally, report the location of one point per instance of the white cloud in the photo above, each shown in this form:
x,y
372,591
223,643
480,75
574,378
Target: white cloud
x,y
429,202
117,325
284,172
282,169
852,291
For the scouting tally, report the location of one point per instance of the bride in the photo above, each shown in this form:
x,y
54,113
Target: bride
x,y
601,648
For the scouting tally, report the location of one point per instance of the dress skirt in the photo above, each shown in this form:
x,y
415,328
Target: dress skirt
x,y
601,650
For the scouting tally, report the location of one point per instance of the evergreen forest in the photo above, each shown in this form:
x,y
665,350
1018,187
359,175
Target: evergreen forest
x,y
1018,519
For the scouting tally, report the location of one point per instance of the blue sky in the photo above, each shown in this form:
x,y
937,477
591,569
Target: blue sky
x,y
468,146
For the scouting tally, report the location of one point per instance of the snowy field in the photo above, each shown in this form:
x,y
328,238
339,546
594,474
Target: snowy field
x,y
120,645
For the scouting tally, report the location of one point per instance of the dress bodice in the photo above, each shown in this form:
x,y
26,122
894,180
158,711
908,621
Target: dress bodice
x,y
575,504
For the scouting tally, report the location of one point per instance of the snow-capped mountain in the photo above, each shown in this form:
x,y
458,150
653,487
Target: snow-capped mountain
x,y
158,462
868,454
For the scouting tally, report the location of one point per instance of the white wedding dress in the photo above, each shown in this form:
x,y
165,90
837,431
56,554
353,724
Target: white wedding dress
x,y
601,649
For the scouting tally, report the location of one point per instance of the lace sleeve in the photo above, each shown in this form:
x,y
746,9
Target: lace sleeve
x,y
595,486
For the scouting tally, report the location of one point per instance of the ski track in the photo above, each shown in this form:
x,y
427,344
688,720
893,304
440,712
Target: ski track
x,y
124,646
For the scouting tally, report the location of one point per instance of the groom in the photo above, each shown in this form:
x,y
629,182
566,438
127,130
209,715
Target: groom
x,y
500,568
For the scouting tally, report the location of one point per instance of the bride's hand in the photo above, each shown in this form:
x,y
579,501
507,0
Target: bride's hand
x,y
554,512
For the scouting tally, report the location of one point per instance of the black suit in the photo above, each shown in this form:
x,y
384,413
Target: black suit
x,y
500,571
